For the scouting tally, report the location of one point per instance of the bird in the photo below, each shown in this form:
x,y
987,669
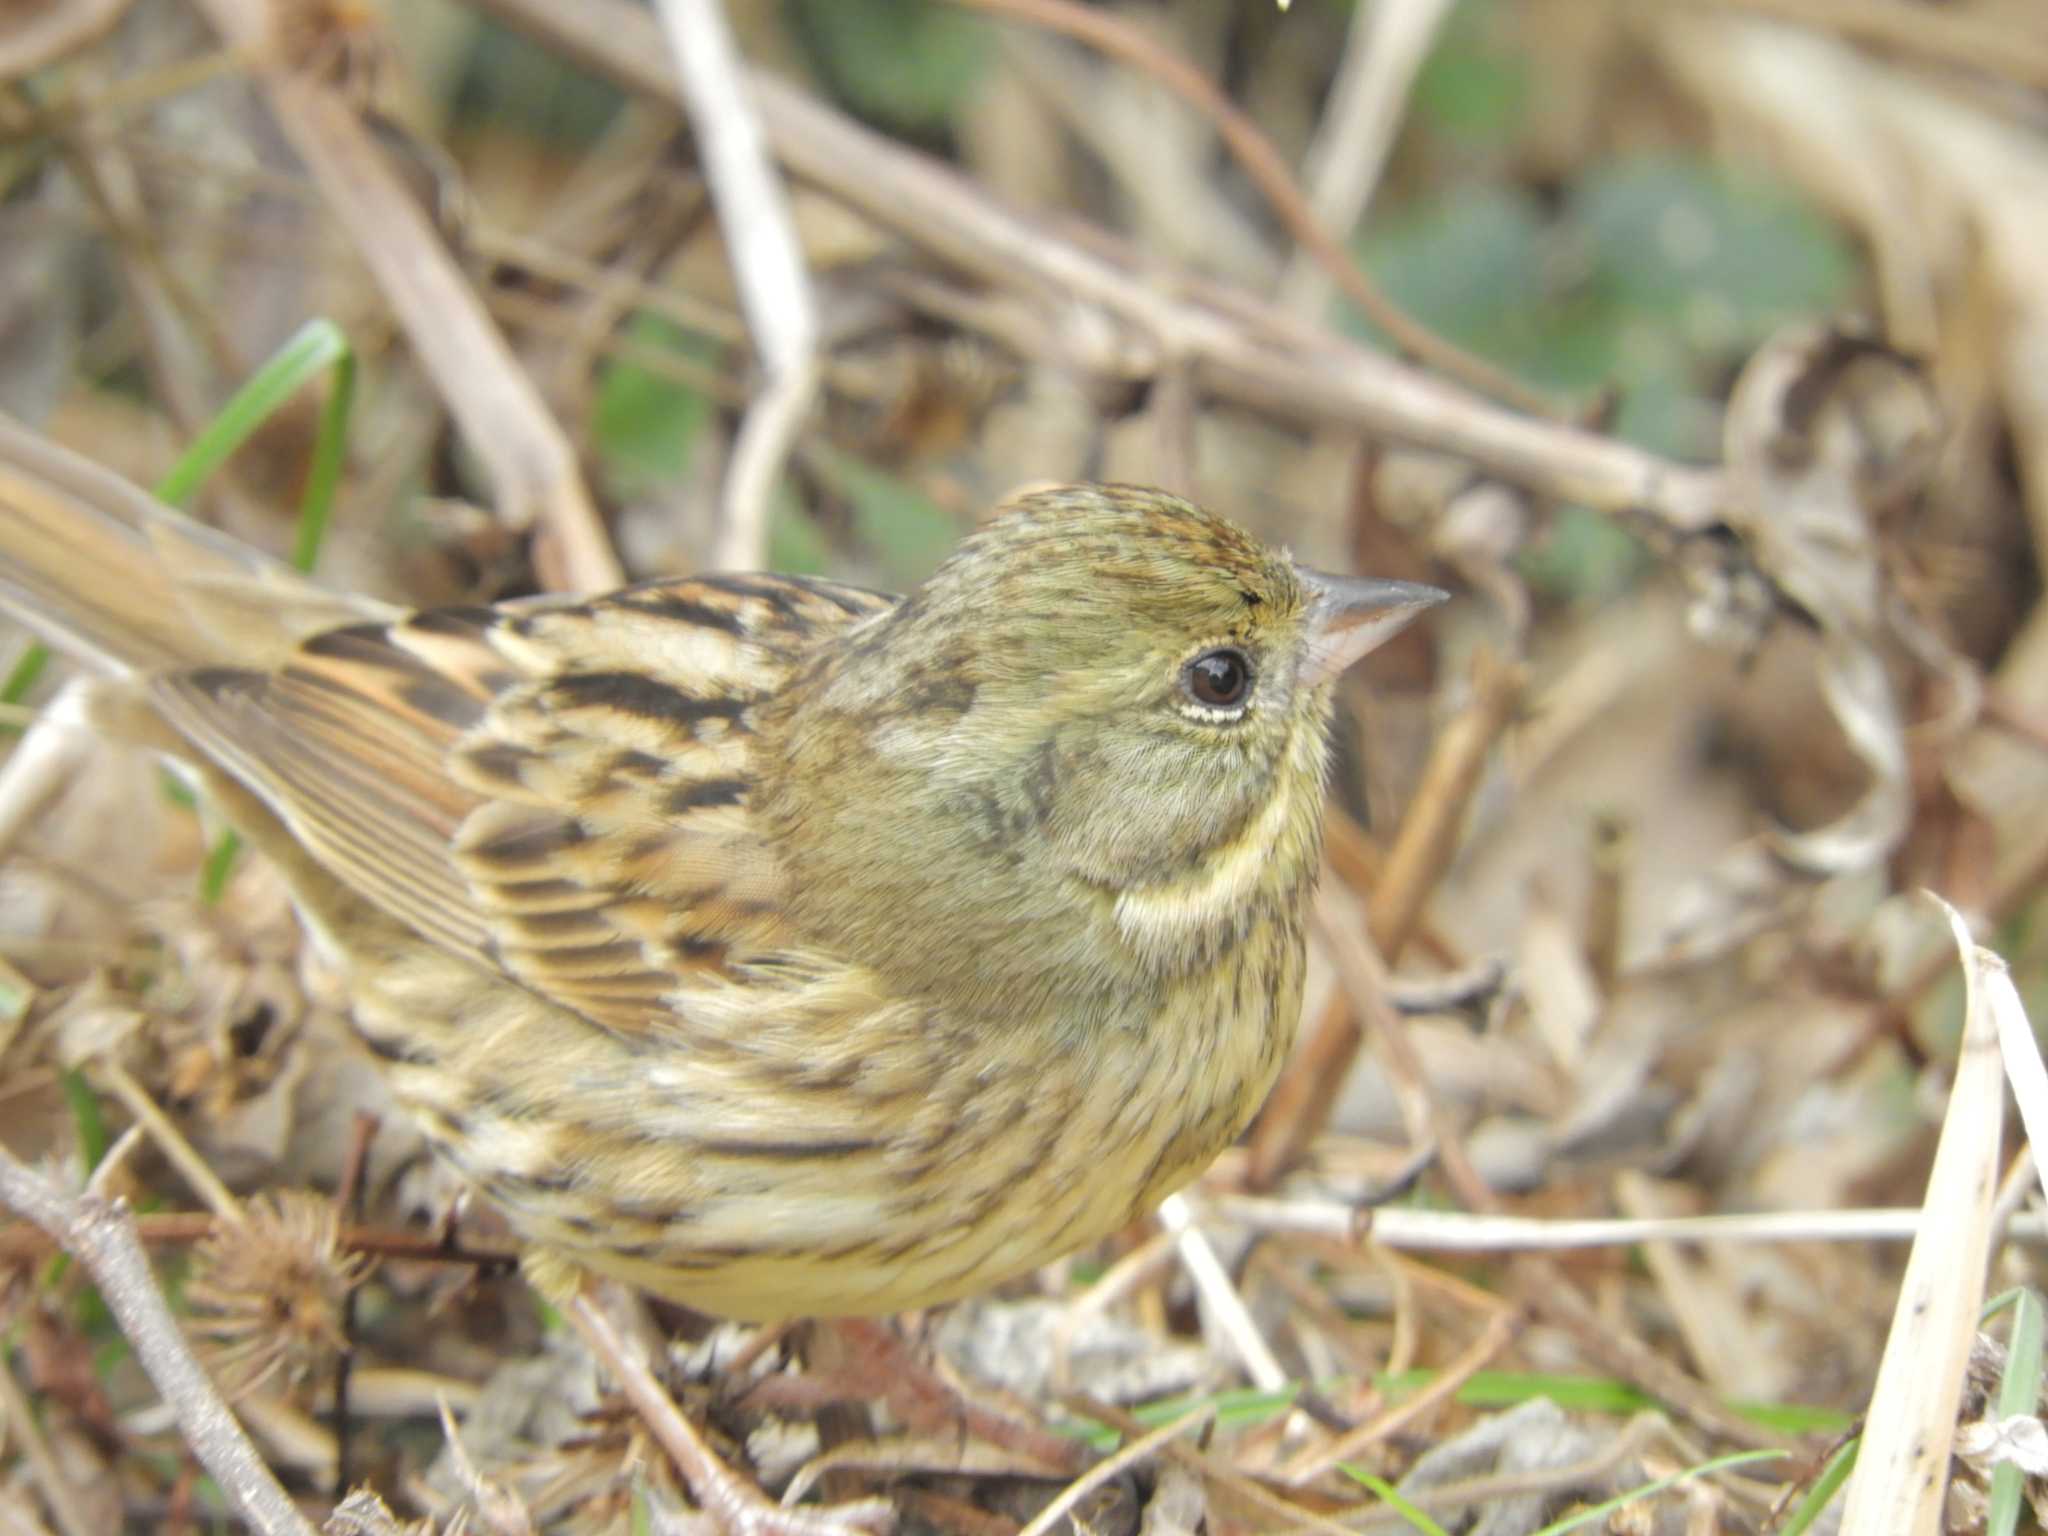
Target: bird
x,y
776,946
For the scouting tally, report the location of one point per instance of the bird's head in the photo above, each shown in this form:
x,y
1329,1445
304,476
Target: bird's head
x,y
1106,698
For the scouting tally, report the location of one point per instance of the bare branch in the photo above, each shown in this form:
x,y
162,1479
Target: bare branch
x,y
101,1236
767,267
530,459
1112,313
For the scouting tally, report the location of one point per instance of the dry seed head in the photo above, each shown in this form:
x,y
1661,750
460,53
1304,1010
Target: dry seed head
x,y
271,1288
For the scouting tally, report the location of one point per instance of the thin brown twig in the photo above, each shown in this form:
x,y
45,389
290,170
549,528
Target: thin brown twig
x,y
1138,1450
170,1141
1285,1269
116,99
1501,1331
1429,832
696,1460
1368,987
1301,1102
1143,1263
184,348
348,1196
1239,1485
18,1421
166,1229
1384,49
1611,850
1351,854
101,1236
1551,1296
945,1512
1248,144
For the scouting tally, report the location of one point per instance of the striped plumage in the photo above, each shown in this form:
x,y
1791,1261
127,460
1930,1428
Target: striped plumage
x,y
782,947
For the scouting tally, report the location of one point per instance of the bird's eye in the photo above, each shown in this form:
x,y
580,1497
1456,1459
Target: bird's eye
x,y
1219,679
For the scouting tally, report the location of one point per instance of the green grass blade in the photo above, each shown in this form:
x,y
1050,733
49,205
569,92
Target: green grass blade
x,y
1394,1499
23,674
323,477
1824,1488
86,1118
1484,1389
89,1122
2018,1393
21,677
1602,1510
317,346
219,865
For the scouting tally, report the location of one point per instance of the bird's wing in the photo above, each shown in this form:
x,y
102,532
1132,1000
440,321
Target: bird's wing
x,y
558,790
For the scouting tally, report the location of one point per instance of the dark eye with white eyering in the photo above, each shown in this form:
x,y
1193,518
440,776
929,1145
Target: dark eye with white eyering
x,y
1218,679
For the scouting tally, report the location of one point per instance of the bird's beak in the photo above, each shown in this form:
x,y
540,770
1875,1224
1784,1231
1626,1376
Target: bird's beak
x,y
1350,615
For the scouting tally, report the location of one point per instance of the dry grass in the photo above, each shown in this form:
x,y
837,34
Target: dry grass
x,y
1622,925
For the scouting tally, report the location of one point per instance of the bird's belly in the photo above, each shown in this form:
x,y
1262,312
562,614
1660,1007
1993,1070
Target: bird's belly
x,y
905,1163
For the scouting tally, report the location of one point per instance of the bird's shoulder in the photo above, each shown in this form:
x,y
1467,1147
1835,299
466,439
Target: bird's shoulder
x,y
556,789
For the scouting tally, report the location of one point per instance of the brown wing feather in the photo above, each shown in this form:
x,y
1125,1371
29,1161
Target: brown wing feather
x,y
558,791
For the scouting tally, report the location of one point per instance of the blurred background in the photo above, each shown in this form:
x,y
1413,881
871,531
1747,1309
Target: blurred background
x,y
1720,401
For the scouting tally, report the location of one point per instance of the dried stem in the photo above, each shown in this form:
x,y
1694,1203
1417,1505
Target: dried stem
x,y
1988,46
181,1228
1270,174
529,457
34,41
1551,1296
1199,1259
1384,47
715,1484
19,1422
100,1235
170,1141
1301,1102
1498,1334
1241,348
1138,1450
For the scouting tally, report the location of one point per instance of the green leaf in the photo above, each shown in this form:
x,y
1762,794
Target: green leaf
x,y
22,676
1473,86
1722,259
644,425
902,64
1584,558
795,542
87,1120
1465,266
908,532
330,452
219,865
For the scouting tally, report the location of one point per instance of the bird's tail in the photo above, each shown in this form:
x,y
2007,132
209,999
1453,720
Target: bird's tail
x,y
107,573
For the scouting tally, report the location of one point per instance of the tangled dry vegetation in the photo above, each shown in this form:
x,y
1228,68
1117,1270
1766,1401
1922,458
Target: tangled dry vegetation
x,y
1701,352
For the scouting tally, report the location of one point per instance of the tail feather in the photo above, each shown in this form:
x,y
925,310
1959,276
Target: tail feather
x,y
105,572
